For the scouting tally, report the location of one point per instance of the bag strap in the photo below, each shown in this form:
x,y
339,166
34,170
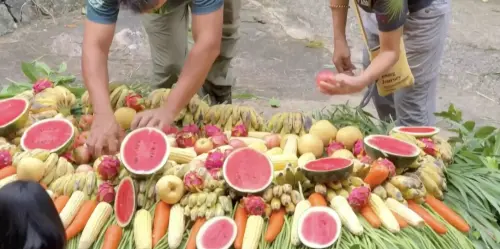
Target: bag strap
x,y
361,26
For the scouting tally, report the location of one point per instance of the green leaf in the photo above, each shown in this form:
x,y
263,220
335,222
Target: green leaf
x,y
62,67
273,102
484,131
43,68
469,125
29,71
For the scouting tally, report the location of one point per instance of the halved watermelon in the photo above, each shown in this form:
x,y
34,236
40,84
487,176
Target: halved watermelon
x,y
125,202
145,151
53,134
217,233
319,227
328,169
247,170
401,153
14,114
417,131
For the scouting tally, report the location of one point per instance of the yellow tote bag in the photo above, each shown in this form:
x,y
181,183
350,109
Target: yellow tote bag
x,y
399,76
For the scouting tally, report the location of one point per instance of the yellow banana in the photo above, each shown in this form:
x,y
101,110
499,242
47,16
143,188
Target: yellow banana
x,y
297,123
236,114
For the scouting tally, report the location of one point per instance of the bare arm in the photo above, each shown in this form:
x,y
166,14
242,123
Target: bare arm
x,y
339,18
97,40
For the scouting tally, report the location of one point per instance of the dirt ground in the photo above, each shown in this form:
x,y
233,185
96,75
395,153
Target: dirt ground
x,y
276,58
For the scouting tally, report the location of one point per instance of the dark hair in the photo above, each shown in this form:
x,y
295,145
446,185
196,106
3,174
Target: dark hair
x,y
138,6
28,218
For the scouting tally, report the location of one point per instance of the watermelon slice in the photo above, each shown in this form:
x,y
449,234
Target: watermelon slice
x,y
319,227
401,153
417,131
54,135
125,202
14,114
217,233
328,169
247,170
145,151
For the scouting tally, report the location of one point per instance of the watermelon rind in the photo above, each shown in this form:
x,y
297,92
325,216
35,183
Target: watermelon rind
x,y
331,175
154,168
399,160
208,224
118,204
322,209
59,150
239,190
405,130
19,121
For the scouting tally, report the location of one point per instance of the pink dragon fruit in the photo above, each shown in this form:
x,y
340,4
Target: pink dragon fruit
x,y
429,147
366,159
68,155
170,129
108,168
239,131
215,159
135,101
386,163
254,205
219,139
216,173
193,181
5,159
191,128
211,130
334,146
41,85
106,192
185,139
359,197
359,150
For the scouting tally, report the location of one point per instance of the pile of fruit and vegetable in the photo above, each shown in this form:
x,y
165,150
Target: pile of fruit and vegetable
x,y
225,177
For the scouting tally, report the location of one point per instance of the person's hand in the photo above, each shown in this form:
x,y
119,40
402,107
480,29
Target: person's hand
x,y
342,56
342,84
105,135
157,118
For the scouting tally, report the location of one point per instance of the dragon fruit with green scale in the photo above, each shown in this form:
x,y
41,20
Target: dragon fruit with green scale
x,y
215,160
41,85
359,197
358,150
191,128
106,192
5,159
386,163
135,101
254,205
334,146
211,130
239,130
108,168
429,147
193,181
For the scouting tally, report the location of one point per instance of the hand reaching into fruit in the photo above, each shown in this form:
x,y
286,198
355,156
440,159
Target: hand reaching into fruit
x,y
157,118
342,83
105,135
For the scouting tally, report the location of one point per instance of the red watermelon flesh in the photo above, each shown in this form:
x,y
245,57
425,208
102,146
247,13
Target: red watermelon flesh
x,y
125,202
327,164
248,169
392,145
220,234
49,134
319,228
10,110
418,129
144,151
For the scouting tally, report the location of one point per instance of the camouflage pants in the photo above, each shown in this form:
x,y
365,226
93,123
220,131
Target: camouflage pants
x,y
168,37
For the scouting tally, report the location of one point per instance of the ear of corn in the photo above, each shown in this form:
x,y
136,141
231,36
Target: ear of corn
x,y
409,215
74,204
247,140
258,134
291,145
95,224
346,214
253,232
384,213
181,155
300,208
176,226
143,229
280,161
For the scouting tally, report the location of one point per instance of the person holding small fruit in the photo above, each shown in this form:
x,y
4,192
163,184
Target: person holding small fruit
x,y
423,25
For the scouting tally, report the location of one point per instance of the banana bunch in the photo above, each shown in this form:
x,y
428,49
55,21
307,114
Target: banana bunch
x,y
52,101
277,196
206,204
82,181
28,95
196,111
342,188
293,176
226,116
290,123
410,186
192,114
146,193
433,178
118,93
156,97
444,149
55,166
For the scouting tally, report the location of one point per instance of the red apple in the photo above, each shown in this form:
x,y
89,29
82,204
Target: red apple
x,y
203,145
324,75
272,140
237,143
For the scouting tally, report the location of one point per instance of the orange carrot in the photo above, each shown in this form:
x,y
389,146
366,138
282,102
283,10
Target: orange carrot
x,y
60,202
191,243
112,237
7,171
276,221
240,217
447,213
402,222
316,199
377,175
81,219
160,222
437,226
370,216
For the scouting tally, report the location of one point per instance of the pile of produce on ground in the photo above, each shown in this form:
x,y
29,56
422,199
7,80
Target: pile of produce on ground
x,y
226,178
